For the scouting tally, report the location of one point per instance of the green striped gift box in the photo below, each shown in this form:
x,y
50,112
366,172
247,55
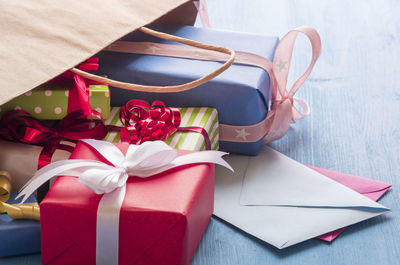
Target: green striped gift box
x,y
206,118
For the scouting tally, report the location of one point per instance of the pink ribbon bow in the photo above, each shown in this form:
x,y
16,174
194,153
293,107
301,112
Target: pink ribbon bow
x,y
283,112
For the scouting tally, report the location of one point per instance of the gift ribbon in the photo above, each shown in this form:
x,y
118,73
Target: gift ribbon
x,y
78,96
201,6
15,211
109,178
144,122
5,186
282,111
20,126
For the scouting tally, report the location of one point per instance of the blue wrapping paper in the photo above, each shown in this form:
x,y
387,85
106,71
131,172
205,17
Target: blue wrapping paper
x,y
18,237
241,94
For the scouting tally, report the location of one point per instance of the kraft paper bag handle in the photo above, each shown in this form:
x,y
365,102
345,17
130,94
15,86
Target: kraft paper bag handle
x,y
163,89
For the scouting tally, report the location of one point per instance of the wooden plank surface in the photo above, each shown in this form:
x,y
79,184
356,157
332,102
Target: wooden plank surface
x,y
354,127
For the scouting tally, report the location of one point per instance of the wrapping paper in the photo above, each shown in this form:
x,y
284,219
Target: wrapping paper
x,y
13,155
162,218
50,101
206,118
18,237
241,94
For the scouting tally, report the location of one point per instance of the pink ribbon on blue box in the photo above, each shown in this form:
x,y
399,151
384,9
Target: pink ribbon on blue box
x,y
282,110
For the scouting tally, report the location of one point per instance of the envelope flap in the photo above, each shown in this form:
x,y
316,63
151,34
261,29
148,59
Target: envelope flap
x,y
277,225
274,179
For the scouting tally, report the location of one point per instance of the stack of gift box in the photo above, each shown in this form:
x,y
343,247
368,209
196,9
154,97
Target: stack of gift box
x,y
161,218
187,120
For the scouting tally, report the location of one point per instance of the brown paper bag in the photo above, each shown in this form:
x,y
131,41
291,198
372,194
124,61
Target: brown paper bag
x,y
182,15
41,39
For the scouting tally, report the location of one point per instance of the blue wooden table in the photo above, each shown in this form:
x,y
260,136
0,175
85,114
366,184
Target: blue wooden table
x,y
354,127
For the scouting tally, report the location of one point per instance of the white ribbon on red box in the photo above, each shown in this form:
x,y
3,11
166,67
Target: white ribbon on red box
x,y
145,160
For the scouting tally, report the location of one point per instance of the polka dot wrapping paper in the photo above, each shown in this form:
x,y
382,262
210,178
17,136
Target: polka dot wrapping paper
x,y
206,118
50,102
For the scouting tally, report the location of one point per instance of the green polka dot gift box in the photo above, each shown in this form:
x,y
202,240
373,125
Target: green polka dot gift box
x,y
50,101
206,118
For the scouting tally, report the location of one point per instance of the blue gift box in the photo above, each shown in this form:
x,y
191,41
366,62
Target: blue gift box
x,y
241,94
18,236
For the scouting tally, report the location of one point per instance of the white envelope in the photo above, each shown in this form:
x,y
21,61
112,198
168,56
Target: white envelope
x,y
283,202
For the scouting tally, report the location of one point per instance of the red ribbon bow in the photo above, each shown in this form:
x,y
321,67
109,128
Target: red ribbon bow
x,y
20,126
144,122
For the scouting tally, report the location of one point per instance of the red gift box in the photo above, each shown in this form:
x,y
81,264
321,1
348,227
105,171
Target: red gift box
x,y
162,218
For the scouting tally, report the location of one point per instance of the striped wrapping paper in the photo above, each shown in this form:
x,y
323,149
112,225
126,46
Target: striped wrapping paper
x,y
206,118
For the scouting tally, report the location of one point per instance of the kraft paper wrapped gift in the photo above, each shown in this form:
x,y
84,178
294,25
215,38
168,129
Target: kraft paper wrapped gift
x,y
241,94
13,155
18,236
50,101
206,118
162,218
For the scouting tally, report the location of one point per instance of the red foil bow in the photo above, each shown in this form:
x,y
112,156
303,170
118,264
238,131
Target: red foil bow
x,y
144,122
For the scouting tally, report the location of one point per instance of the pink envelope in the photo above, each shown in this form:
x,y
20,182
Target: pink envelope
x,y
372,189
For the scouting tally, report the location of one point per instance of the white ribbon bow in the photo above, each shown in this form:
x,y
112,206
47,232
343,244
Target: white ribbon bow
x,y
142,161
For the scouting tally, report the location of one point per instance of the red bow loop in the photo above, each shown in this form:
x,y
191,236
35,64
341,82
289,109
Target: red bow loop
x,y
76,126
20,126
134,111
